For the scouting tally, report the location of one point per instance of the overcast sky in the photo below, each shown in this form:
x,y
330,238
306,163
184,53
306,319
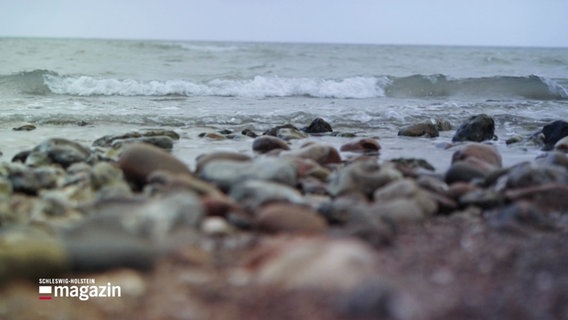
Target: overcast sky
x,y
450,22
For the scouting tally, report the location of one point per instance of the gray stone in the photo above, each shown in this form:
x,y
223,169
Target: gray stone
x,y
251,194
361,177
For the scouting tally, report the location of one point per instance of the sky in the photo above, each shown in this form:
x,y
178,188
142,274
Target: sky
x,y
541,23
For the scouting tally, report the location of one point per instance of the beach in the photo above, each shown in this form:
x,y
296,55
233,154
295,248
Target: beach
x,y
268,180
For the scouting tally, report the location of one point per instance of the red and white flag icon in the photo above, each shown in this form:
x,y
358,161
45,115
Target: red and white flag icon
x,y
44,292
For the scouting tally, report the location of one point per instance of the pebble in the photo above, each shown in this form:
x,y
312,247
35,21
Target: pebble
x,y
318,125
251,194
25,127
59,151
553,132
477,128
226,173
426,129
142,136
320,153
286,217
361,177
312,264
364,145
264,144
139,160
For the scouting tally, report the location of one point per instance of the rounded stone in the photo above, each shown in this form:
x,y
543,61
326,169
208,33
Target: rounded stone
x,y
425,129
562,145
264,144
139,160
202,160
481,151
286,217
364,145
322,154
462,171
312,264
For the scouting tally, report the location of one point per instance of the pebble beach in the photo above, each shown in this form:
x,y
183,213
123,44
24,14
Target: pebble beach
x,y
294,228
203,180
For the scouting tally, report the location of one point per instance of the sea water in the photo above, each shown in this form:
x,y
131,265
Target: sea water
x,y
84,89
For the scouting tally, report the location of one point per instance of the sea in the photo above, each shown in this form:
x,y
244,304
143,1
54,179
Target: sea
x,y
83,89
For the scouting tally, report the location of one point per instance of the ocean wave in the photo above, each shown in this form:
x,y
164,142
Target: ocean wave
x,y
358,87
259,86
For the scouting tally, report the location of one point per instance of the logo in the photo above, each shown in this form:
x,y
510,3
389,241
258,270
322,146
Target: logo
x,y
82,289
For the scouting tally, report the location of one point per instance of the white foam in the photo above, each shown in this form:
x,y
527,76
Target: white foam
x,y
259,86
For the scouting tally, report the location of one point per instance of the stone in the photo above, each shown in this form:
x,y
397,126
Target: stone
x,y
399,210
553,132
212,136
406,189
425,129
318,125
548,196
311,264
108,140
443,125
362,177
162,142
202,160
30,253
461,171
31,180
530,175
251,194
288,134
264,144
25,127
104,173
477,128
364,145
555,158
164,182
60,151
320,153
139,160
286,217
483,152
562,145
152,218
274,131
225,173
249,133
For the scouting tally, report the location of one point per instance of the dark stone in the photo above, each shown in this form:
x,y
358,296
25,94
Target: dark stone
x,y
477,128
107,141
163,142
274,131
443,125
553,132
249,133
318,125
519,217
62,151
21,156
25,127
426,129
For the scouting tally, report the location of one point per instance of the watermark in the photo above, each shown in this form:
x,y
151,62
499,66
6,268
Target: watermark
x,y
78,288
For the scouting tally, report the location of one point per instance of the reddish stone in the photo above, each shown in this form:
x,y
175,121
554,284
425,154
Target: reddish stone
x,y
364,145
140,159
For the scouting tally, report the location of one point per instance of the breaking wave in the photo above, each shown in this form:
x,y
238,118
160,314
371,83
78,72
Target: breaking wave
x,y
415,86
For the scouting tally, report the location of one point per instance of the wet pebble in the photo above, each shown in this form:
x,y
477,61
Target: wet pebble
x,y
318,125
364,145
252,194
320,153
361,177
59,151
264,144
139,160
142,136
287,217
226,173
25,127
477,128
426,129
